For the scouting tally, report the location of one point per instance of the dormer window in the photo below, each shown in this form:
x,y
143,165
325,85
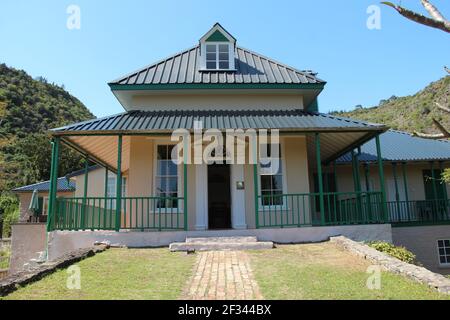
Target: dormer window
x,y
217,56
217,50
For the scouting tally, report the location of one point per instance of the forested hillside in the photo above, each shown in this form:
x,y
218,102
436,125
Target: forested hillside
x,y
411,113
28,108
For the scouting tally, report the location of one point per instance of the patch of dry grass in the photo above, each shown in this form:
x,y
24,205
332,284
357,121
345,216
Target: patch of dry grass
x,y
322,271
118,274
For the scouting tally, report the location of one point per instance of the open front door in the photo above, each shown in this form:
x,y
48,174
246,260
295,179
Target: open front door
x,y
219,196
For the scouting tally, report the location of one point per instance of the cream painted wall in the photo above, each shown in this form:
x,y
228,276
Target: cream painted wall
x,y
96,184
416,189
296,165
140,174
345,179
296,175
218,101
25,199
140,179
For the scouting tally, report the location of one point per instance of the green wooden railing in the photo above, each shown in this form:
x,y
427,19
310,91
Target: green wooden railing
x,y
340,208
274,211
419,212
136,213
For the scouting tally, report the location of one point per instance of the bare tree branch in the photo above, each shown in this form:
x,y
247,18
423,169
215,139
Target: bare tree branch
x,y
433,11
419,18
443,135
432,136
437,21
440,106
441,128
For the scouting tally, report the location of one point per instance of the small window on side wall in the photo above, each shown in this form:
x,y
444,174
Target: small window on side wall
x,y
444,252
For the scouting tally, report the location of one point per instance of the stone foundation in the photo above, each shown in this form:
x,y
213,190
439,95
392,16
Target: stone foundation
x,y
27,241
60,242
422,241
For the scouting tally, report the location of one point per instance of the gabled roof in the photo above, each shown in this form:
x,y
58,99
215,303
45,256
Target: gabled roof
x,y
401,146
184,69
81,171
64,184
168,120
218,31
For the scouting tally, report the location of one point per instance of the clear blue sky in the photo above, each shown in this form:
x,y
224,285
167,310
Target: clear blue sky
x,y
360,65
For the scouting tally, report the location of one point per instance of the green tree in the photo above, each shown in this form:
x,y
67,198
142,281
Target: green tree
x,y
9,213
28,109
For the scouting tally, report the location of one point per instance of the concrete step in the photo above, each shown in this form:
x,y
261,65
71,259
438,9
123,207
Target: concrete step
x,y
222,239
220,246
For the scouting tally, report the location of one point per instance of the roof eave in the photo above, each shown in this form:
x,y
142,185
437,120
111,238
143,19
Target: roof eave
x,y
30,191
387,160
201,86
376,129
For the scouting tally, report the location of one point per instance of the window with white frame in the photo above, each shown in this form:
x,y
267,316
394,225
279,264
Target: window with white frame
x,y
45,205
166,179
111,190
217,56
112,184
444,252
271,177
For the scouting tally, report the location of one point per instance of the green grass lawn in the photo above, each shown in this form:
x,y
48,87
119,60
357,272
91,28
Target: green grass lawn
x,y
309,271
322,271
118,274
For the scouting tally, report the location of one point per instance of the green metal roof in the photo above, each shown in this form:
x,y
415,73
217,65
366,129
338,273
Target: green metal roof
x,y
401,146
183,68
64,184
167,121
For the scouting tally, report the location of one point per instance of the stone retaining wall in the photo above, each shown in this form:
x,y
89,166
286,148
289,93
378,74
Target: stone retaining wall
x,y
394,265
60,242
14,281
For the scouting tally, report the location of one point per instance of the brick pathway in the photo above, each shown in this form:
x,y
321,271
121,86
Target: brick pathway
x,y
222,275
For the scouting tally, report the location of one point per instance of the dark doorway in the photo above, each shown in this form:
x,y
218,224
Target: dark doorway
x,y
219,196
